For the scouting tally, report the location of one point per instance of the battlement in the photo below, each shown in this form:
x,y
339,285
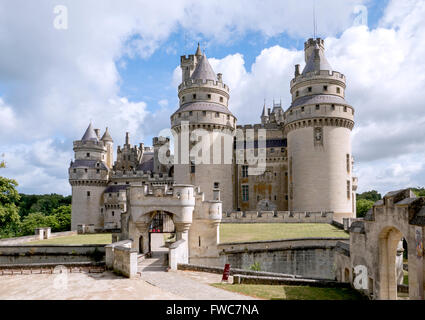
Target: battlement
x,y
144,175
90,144
319,75
312,42
191,83
187,59
278,217
160,141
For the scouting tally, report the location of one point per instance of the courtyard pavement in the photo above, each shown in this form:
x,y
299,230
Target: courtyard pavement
x,y
153,285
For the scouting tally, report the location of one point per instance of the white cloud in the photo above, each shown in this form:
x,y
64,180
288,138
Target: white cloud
x,y
54,82
385,80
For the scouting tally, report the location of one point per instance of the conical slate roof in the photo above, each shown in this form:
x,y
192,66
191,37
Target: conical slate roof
x,y
203,70
198,50
264,111
317,62
90,134
106,136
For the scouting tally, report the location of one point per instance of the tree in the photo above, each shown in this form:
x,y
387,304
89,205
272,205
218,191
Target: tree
x,y
370,195
62,216
9,220
420,192
363,206
37,220
8,192
42,203
9,214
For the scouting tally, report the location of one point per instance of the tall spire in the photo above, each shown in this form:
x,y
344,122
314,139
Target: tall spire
x,y
264,109
204,70
106,136
127,139
198,51
90,134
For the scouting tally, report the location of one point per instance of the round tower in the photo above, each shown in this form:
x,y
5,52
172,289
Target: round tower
x,y
109,143
318,126
204,128
88,176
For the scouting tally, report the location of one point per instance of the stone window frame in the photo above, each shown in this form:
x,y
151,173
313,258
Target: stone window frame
x,y
245,192
245,171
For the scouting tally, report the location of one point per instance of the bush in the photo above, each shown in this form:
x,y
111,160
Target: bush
x,y
363,207
37,220
255,267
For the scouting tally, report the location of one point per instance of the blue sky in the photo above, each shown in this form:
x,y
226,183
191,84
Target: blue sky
x,y
117,65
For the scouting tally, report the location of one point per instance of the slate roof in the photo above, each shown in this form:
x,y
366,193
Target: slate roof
x,y
88,164
317,99
343,247
146,163
419,218
204,106
204,70
323,62
357,227
107,136
90,135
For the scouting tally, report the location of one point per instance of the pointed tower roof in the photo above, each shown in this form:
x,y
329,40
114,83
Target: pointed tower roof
x,y
107,136
90,134
264,111
198,50
317,61
204,70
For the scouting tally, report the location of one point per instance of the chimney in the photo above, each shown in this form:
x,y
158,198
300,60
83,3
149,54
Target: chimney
x,y
97,133
220,77
297,70
127,138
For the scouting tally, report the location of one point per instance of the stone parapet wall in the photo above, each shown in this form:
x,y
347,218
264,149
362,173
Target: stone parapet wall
x,y
306,258
57,254
121,258
245,279
277,217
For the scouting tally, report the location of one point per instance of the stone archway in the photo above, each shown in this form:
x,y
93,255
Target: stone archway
x,y
390,241
346,275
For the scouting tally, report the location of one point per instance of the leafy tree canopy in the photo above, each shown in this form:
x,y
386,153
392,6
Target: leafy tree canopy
x,y
420,192
363,207
8,192
370,195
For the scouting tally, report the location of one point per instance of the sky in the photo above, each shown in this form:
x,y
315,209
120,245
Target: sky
x,y
116,63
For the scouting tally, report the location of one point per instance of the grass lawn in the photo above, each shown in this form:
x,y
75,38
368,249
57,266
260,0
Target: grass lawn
x,y
406,277
283,292
101,238
240,232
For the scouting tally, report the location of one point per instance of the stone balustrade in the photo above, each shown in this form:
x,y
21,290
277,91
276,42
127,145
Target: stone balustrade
x,y
277,217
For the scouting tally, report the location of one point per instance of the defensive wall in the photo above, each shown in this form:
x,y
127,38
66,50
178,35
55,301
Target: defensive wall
x,y
306,258
277,217
50,254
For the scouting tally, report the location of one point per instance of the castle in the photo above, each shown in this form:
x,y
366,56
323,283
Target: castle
x,y
302,158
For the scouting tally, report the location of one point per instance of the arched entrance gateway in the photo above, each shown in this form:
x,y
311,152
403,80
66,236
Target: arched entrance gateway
x,y
378,244
391,262
158,210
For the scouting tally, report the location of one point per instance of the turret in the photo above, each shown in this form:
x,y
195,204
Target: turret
x,y
88,176
204,108
318,126
109,143
158,144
